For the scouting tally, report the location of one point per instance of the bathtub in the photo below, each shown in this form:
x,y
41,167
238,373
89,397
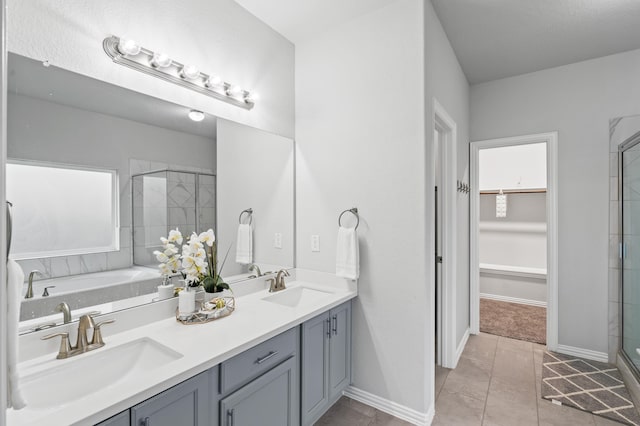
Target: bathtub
x,y
89,290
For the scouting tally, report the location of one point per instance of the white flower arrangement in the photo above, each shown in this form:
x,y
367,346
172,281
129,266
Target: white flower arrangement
x,y
198,263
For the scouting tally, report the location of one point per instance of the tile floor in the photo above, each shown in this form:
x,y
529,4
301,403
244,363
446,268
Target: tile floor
x,y
496,383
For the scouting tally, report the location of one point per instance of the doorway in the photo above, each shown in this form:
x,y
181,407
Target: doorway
x,y
499,202
443,245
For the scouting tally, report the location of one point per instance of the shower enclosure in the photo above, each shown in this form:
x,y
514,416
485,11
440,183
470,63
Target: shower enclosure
x,y
167,199
629,196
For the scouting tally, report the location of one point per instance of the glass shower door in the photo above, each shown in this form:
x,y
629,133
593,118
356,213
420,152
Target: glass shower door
x,y
630,234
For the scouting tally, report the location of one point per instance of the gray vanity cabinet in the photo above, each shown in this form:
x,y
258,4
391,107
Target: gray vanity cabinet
x,y
121,419
326,361
186,404
271,399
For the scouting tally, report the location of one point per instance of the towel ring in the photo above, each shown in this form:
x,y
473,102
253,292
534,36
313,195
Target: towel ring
x,y
248,212
353,211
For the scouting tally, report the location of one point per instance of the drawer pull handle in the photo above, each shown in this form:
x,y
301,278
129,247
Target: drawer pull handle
x,y
335,324
328,321
146,421
230,417
266,357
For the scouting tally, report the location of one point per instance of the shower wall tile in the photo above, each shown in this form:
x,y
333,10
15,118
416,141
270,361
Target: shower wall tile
x,y
614,312
613,217
613,164
42,265
614,290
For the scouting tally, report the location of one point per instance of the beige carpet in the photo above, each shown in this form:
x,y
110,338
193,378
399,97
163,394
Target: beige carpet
x,y
522,322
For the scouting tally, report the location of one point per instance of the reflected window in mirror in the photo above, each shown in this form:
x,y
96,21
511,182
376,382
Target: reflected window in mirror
x,y
49,199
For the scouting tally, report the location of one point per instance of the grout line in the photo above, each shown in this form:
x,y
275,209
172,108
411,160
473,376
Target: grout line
x,y
486,398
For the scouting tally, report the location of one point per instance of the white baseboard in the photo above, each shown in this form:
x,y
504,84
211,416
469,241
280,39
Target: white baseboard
x,y
461,346
513,300
583,353
400,411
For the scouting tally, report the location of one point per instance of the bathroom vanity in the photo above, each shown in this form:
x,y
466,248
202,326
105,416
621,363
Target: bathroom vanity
x,y
280,359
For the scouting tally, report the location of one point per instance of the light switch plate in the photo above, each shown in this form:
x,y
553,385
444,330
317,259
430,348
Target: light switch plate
x,y
277,240
315,243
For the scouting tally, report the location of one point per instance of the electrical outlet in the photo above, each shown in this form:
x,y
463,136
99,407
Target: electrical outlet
x,y
277,240
315,243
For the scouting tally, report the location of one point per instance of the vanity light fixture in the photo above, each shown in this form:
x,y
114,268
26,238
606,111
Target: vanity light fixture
x,y
196,115
131,54
160,60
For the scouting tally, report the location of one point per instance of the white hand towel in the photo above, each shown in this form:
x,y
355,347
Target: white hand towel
x,y
244,245
347,254
15,279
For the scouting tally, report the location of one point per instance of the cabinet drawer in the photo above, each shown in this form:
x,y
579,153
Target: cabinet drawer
x,y
253,362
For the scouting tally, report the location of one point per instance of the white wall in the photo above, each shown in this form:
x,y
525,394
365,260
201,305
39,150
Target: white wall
x,y
362,120
219,36
513,167
361,146
255,170
445,81
577,100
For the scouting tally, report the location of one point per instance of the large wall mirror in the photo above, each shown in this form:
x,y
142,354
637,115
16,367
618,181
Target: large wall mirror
x,y
99,173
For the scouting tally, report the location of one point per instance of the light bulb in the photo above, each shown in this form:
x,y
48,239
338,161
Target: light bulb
x,y
160,60
189,72
251,97
128,47
196,115
234,91
213,81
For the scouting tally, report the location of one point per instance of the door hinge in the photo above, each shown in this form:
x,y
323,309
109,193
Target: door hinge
x,y
438,259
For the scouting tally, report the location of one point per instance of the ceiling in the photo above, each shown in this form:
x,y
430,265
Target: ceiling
x,y
298,20
492,39
501,38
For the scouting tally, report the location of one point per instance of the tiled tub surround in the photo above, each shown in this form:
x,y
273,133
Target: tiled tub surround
x,y
92,289
202,346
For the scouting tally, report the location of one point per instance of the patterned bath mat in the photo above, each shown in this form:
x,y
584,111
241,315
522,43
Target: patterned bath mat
x,y
590,386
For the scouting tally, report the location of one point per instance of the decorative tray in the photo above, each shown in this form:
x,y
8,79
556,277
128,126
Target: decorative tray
x,y
216,308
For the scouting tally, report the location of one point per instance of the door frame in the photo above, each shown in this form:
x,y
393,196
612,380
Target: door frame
x,y
551,140
443,123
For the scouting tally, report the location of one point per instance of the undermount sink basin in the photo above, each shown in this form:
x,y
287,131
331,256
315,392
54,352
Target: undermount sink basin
x,y
84,374
297,296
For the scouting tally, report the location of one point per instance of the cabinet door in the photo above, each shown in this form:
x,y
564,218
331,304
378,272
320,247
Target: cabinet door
x,y
186,404
315,365
340,350
121,419
271,399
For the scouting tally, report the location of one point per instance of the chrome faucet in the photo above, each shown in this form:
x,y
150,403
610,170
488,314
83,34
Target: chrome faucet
x,y
29,294
66,312
277,283
82,344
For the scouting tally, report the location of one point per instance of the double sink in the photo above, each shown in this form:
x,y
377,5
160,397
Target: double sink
x,y
56,383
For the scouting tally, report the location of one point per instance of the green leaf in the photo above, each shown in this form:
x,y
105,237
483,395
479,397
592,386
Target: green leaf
x,y
209,284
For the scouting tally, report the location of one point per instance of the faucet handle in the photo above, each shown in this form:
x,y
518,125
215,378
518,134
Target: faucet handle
x,y
65,347
272,284
45,293
97,332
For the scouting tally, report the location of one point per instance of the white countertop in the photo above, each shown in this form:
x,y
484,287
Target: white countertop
x,y
202,346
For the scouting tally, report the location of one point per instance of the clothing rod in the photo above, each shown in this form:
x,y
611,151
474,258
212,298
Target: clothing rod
x,y
515,191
